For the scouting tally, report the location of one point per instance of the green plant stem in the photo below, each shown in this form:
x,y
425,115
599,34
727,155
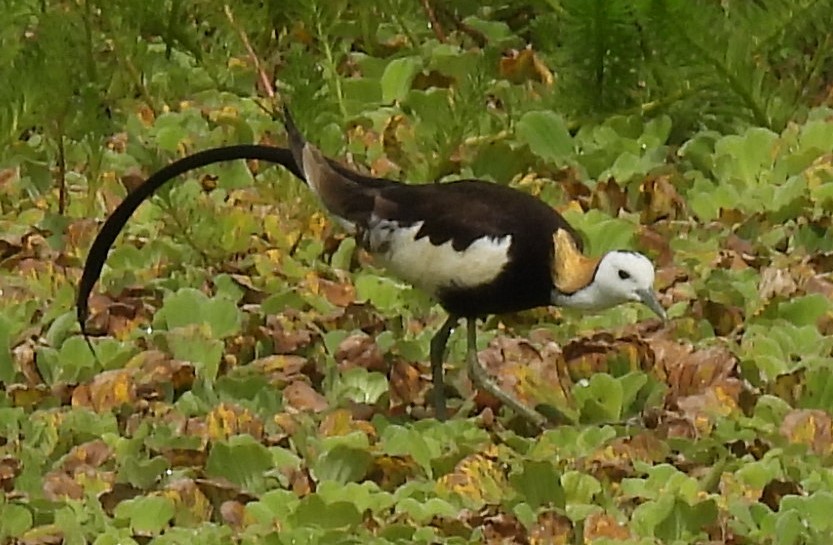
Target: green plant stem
x,y
333,78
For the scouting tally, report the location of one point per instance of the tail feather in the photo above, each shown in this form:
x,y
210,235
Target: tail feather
x,y
350,203
342,192
116,221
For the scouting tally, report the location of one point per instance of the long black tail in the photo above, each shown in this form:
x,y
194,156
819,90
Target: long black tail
x,y
114,224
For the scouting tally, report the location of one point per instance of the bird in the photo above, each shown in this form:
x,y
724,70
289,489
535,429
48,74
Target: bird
x,y
477,247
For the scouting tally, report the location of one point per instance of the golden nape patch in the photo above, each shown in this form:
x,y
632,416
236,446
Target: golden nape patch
x,y
571,270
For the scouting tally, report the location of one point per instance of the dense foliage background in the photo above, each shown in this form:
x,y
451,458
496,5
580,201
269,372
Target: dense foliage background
x,y
258,380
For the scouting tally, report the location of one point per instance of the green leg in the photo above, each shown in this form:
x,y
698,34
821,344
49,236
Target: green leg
x,y
482,380
438,344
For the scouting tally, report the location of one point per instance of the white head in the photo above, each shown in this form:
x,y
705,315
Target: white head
x,y
627,276
595,284
620,277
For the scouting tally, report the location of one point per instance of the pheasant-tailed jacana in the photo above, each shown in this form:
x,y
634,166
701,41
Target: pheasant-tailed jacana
x,y
477,247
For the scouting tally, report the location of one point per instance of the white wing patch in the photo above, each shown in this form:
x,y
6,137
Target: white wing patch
x,y
431,267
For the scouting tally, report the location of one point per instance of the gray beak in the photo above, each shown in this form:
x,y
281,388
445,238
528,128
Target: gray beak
x,y
649,299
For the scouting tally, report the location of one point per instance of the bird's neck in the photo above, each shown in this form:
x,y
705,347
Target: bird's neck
x,y
588,298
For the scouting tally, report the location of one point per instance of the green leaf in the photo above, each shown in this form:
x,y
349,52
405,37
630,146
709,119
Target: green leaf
x,y
76,361
580,488
343,256
142,473
7,367
313,511
815,509
685,521
16,520
539,484
147,515
423,511
789,529
546,135
189,306
384,293
805,310
601,399
194,344
242,460
342,464
401,441
397,78
361,385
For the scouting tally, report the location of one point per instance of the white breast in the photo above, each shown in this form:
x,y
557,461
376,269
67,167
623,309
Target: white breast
x,y
431,267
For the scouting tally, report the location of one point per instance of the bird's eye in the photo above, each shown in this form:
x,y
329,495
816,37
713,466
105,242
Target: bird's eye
x,y
624,275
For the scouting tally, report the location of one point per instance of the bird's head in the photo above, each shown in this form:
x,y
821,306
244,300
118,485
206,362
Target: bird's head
x,y
627,276
594,284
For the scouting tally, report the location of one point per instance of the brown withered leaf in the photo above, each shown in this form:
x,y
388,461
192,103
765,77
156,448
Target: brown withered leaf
x,y
119,493
9,470
740,246
280,369
90,454
117,317
602,525
58,486
776,281
8,175
226,420
776,489
819,284
107,391
534,374
718,401
406,384
287,422
479,477
660,199
286,335
25,396
689,371
181,457
192,505
427,79
233,513
729,259
551,529
498,527
359,350
252,295
608,196
599,352
390,472
300,396
300,482
725,319
615,460
822,262
383,167
657,245
24,361
10,245
525,65
811,427
731,216
340,294
80,232
219,490
157,370
343,422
